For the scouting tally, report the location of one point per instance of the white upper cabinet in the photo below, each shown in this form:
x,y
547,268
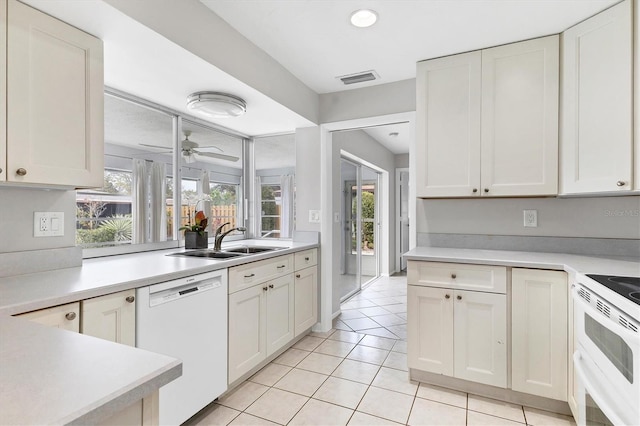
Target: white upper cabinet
x,y
448,126
597,105
488,122
519,152
3,90
54,102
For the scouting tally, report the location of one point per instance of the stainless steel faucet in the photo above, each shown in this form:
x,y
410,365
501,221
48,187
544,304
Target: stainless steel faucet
x,y
219,235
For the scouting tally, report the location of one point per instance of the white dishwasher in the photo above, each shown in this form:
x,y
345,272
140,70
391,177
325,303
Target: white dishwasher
x,y
187,319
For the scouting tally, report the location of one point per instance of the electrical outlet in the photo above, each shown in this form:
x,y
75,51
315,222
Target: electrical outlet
x,y
48,224
314,216
530,218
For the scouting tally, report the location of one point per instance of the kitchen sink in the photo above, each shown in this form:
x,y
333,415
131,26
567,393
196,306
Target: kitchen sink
x,y
250,250
207,253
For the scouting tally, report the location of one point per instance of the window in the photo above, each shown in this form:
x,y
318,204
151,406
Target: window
x,y
224,204
134,204
270,217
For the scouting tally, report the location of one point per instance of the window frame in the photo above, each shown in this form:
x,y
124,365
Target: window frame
x,y
174,173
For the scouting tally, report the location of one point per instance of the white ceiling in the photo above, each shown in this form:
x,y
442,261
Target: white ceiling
x,y
315,41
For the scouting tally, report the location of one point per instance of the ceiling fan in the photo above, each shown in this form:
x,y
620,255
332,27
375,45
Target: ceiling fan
x,y
190,149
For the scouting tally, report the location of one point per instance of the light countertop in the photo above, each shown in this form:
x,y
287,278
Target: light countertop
x,y
104,275
52,376
571,263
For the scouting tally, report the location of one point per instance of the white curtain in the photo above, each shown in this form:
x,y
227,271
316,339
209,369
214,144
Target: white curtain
x,y
139,201
287,185
257,207
157,196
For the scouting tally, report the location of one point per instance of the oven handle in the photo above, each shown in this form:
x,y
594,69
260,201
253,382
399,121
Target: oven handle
x,y
594,390
605,321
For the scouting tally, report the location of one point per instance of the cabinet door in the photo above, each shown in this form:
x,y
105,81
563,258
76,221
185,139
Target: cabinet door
x,y
66,317
597,120
520,118
280,313
636,96
111,317
448,126
247,330
480,337
430,329
3,90
539,332
306,299
54,101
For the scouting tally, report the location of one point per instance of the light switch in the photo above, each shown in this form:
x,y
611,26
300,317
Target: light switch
x,y
314,216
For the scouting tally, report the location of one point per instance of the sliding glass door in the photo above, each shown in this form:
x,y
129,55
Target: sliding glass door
x,y
360,227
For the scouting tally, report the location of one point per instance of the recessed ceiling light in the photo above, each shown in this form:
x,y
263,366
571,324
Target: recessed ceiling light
x,y
364,18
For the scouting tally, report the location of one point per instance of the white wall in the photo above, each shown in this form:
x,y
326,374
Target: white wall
x,y
307,177
17,206
373,101
604,217
402,161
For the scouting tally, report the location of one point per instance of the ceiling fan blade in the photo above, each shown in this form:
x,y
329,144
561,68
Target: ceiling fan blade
x,y
220,156
155,146
209,146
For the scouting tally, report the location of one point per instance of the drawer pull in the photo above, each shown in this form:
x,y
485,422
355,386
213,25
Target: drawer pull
x,y
306,258
250,275
486,190
459,297
270,285
446,296
621,183
297,275
130,299
70,316
453,276
475,190
265,288
21,172
281,266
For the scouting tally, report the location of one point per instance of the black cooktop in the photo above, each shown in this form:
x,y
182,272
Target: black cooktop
x,y
628,287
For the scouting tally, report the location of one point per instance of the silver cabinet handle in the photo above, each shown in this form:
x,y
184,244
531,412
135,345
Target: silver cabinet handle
x,y
130,299
621,183
70,316
446,296
306,258
270,285
486,190
265,288
459,297
297,275
0,169
453,276
250,275
281,266
21,171
475,190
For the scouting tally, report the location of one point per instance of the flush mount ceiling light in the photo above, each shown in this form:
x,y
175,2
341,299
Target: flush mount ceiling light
x,y
216,104
364,18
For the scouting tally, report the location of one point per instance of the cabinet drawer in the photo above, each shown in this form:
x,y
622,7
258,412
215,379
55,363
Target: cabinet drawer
x,y
66,317
247,275
304,259
492,279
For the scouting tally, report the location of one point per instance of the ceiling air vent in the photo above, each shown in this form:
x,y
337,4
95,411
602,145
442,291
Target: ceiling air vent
x,y
359,77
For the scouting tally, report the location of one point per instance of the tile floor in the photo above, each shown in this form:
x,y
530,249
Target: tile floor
x,y
356,374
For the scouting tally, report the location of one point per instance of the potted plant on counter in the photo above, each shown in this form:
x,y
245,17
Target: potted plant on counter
x,y
195,236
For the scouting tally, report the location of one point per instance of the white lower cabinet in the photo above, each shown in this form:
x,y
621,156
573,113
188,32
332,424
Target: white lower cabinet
x,y
306,299
539,333
261,321
458,333
110,317
66,317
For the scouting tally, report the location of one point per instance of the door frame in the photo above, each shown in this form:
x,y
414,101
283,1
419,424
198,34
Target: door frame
x,y
400,170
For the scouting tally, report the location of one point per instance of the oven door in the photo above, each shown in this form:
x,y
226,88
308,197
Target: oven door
x,y
606,363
